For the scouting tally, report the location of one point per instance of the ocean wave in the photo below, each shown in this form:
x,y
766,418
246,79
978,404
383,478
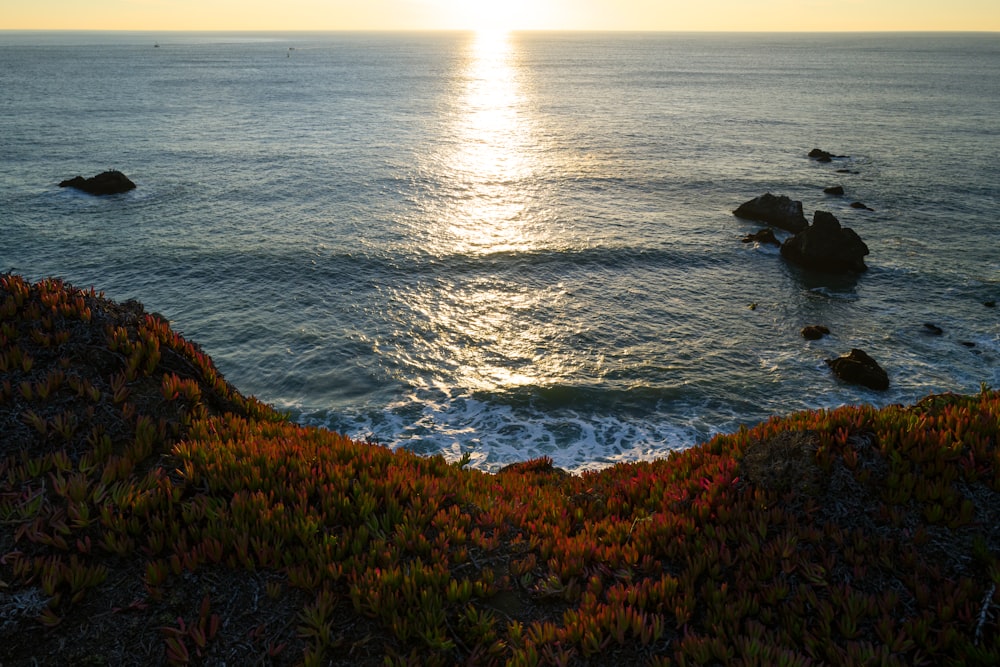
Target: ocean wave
x,y
638,400
577,436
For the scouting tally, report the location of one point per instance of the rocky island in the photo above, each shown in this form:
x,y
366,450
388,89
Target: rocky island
x,y
106,183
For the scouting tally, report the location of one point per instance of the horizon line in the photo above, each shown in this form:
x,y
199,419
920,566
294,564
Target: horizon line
x,y
512,30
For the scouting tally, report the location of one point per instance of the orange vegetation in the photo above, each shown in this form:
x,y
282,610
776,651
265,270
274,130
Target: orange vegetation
x,y
150,514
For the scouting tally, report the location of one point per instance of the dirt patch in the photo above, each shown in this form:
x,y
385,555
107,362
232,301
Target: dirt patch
x,y
785,463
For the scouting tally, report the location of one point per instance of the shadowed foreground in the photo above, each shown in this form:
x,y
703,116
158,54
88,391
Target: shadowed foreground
x,y
150,514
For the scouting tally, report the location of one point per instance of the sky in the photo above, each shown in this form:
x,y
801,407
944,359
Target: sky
x,y
657,15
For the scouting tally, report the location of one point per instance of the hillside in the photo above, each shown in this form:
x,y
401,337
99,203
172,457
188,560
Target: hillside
x,y
151,514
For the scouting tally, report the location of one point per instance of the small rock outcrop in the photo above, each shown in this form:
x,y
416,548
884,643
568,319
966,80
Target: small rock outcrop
x,y
861,206
823,156
932,329
106,183
779,211
765,235
826,246
814,331
834,190
856,367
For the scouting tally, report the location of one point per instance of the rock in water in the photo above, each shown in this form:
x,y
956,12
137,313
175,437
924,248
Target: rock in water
x,y
823,156
765,235
932,329
779,211
826,246
856,367
814,332
106,183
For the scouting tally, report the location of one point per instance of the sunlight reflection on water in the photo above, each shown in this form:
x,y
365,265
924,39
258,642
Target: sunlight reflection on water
x,y
492,153
490,332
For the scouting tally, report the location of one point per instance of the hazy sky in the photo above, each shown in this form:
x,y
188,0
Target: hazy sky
x,y
756,15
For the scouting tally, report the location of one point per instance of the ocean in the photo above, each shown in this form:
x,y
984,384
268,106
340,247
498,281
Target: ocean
x,y
513,246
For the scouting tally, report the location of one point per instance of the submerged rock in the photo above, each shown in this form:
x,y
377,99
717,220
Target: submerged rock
x,y
823,156
106,183
932,329
765,235
826,246
856,367
779,211
820,155
814,331
861,206
834,190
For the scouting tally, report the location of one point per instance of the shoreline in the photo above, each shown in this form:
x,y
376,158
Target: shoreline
x,y
151,514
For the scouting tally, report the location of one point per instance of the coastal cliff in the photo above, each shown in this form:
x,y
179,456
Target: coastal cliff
x,y
152,514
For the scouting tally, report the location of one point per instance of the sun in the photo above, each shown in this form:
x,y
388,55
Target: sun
x,y
496,16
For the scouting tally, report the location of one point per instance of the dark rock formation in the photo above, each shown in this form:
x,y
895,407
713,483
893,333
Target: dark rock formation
x,y
932,329
814,332
856,367
779,211
826,246
106,183
765,235
846,171
834,190
859,205
823,156
990,304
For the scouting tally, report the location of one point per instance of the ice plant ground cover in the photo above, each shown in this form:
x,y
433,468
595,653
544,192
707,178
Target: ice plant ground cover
x,y
151,514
